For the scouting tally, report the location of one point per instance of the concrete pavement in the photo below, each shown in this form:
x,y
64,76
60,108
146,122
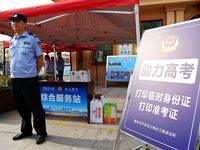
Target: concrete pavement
x,y
72,132
65,132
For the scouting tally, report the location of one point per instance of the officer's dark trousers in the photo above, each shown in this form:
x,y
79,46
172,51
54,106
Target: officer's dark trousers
x,y
26,94
60,75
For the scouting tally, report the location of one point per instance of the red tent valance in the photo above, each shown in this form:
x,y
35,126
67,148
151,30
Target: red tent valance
x,y
66,7
70,48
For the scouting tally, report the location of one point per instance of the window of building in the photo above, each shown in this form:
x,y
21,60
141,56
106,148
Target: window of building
x,y
150,24
102,52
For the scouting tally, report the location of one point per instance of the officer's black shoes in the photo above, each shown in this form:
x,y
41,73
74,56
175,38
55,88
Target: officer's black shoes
x,y
21,136
40,139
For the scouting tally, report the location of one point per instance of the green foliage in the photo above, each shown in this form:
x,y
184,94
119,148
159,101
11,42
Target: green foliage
x,y
46,77
4,82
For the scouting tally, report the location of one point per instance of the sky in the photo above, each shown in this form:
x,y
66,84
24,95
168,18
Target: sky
x,y
13,4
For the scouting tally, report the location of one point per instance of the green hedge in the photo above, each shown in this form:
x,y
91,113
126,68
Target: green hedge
x,y
4,81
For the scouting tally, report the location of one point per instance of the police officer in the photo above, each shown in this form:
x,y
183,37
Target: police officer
x,y
26,60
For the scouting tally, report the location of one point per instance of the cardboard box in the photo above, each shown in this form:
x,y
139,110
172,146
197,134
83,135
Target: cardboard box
x,y
110,113
96,111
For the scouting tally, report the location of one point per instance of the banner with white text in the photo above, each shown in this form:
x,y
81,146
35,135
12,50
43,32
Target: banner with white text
x,y
163,107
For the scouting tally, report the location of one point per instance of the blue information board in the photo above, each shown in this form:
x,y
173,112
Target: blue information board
x,y
163,107
71,99
120,68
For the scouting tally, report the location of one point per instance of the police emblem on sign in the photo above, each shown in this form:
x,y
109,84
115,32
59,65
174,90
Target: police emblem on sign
x,y
170,44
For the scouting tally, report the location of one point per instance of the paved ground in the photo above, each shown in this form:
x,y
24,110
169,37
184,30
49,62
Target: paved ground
x,y
65,132
71,132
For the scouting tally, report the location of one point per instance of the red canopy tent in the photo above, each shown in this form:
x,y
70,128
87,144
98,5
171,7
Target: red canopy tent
x,y
73,48
46,48
80,21
63,48
5,44
70,48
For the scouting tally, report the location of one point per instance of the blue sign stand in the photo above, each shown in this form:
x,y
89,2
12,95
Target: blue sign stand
x,y
65,98
119,68
163,107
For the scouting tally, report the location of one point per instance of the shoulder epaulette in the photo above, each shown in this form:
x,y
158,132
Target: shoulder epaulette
x,y
34,35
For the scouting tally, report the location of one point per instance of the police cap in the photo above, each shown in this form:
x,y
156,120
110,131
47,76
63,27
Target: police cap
x,y
18,17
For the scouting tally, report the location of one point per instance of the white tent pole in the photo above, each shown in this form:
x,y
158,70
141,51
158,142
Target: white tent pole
x,y
53,18
113,12
96,11
54,62
137,24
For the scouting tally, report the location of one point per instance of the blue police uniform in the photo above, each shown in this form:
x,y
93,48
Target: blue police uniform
x,y
24,51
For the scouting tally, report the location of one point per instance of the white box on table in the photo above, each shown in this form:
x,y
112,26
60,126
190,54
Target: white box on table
x,y
80,76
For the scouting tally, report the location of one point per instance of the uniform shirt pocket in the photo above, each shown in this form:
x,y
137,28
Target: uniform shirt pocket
x,y
26,49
